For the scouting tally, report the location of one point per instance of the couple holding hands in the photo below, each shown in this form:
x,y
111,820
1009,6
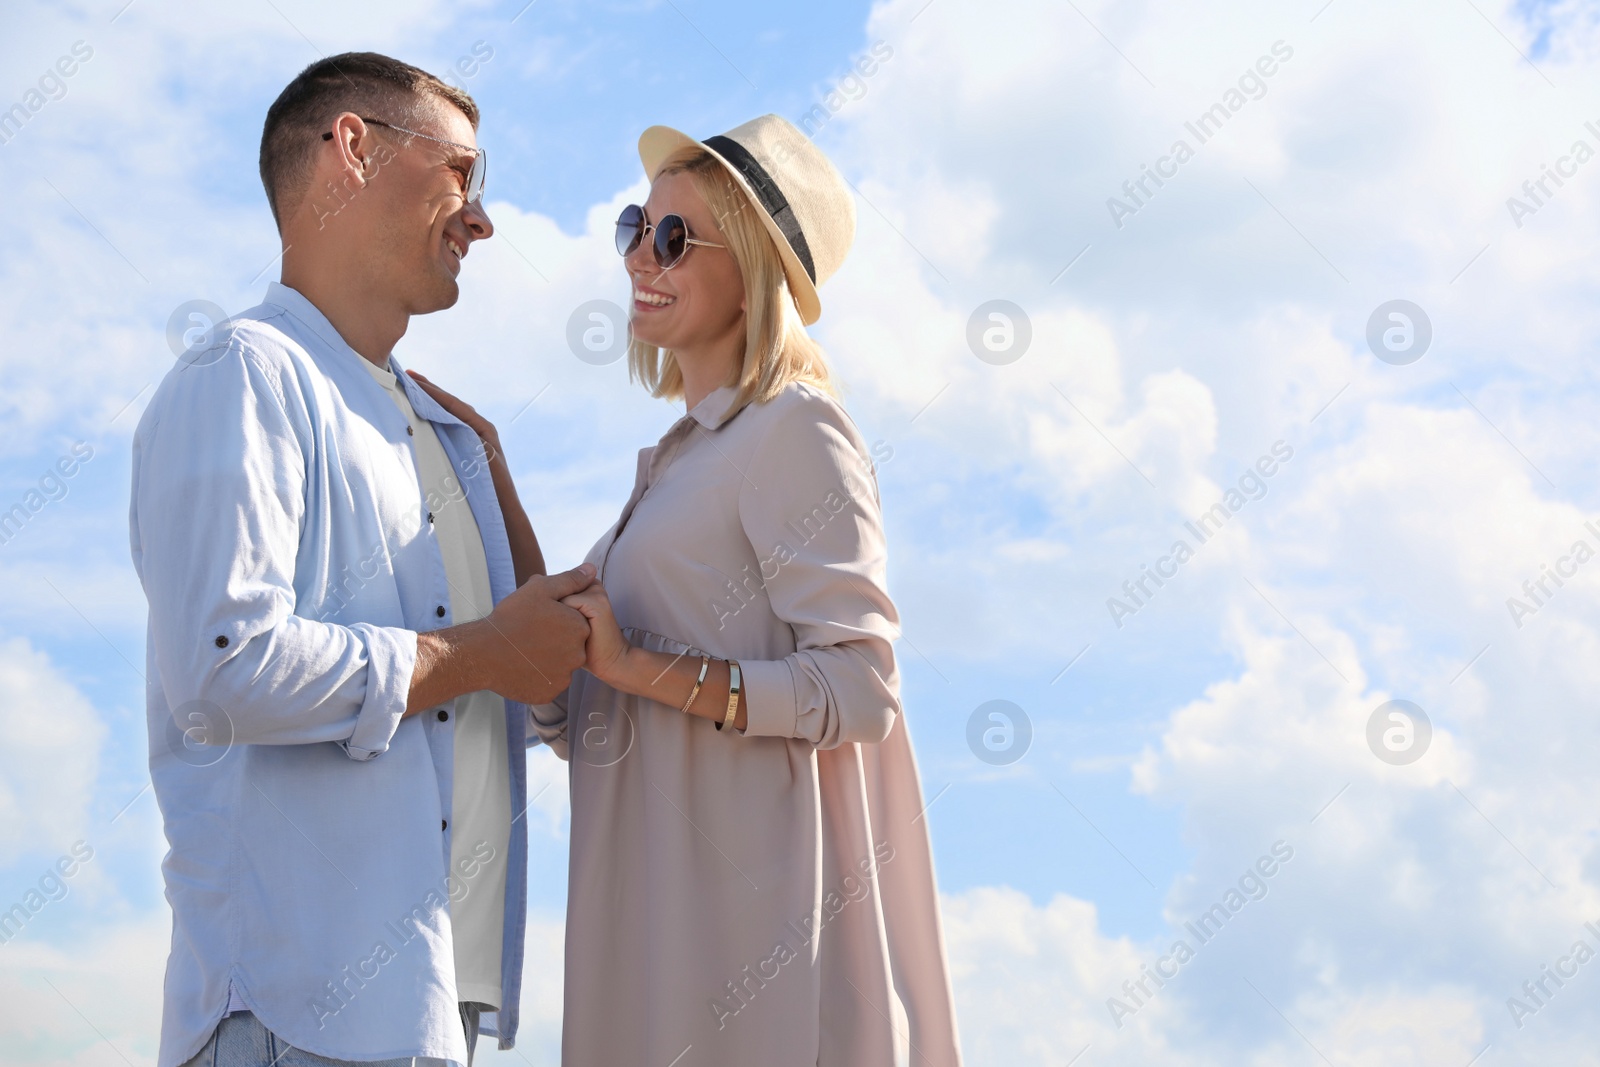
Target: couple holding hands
x,y
352,640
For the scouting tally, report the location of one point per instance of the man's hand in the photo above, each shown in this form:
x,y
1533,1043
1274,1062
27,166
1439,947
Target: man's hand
x,y
535,641
525,650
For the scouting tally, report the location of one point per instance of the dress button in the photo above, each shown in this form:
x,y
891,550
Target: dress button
x,y
222,641
444,716
439,611
411,431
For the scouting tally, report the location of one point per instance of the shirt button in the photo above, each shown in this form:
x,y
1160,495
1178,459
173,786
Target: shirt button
x,y
411,431
430,516
439,611
444,824
222,641
444,716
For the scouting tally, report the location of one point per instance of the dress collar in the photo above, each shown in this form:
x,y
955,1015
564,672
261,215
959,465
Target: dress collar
x,y
717,407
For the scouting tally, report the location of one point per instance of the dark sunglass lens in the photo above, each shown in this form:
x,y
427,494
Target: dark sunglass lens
x,y
630,227
672,240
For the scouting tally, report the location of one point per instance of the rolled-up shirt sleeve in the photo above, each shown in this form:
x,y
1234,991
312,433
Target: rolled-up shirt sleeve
x,y
219,473
809,506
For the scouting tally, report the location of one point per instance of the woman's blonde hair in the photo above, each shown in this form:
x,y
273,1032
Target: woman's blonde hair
x,y
777,348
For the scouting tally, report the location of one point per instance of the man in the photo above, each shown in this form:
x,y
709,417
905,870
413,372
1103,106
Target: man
x,y
334,607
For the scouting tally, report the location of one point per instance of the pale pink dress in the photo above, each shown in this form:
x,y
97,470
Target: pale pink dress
x,y
767,898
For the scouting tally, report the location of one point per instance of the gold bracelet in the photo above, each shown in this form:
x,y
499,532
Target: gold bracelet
x,y
705,662
733,694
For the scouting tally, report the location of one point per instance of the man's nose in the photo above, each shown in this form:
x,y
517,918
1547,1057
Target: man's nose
x,y
477,220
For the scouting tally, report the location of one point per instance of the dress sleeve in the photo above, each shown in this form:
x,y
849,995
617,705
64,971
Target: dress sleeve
x,y
548,723
809,506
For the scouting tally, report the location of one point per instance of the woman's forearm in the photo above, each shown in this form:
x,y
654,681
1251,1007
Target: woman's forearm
x,y
526,557
670,679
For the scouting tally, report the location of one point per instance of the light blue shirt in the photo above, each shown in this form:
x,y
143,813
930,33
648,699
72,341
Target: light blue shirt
x,y
280,532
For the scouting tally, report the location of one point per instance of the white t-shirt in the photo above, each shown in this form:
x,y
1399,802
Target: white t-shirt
x,y
481,798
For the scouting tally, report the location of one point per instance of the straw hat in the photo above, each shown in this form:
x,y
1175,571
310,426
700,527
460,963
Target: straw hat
x,y
803,201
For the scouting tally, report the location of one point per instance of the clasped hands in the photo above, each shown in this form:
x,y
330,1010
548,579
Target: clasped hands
x,y
565,622
551,626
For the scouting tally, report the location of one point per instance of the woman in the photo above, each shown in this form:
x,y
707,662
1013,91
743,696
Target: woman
x,y
750,880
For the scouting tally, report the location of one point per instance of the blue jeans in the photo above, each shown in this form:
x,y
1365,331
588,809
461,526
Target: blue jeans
x,y
241,1041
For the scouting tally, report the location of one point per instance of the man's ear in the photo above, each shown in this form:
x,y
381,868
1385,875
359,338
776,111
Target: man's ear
x,y
352,140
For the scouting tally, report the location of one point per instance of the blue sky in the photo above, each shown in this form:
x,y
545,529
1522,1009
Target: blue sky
x,y
1170,353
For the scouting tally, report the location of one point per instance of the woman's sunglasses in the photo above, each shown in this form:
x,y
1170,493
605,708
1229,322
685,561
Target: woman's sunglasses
x,y
671,242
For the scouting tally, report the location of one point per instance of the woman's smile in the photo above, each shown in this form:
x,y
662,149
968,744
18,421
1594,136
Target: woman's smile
x,y
648,299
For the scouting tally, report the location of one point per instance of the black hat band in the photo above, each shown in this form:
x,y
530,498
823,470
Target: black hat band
x,y
772,199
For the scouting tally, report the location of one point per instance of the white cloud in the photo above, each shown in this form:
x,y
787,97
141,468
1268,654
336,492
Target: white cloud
x,y
51,755
1390,542
1214,323
90,1003
547,790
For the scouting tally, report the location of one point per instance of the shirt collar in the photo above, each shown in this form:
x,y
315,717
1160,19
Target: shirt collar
x,y
307,313
384,376
314,320
716,408
423,404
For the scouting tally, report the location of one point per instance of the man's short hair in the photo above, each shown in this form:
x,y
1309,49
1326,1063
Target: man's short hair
x,y
363,82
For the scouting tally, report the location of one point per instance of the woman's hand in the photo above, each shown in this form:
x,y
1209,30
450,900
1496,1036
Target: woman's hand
x,y
662,677
606,650
463,411
526,558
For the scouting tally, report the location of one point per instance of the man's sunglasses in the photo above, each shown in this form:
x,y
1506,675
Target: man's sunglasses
x,y
671,241
473,192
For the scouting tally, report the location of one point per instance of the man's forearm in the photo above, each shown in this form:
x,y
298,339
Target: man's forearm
x,y
448,665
